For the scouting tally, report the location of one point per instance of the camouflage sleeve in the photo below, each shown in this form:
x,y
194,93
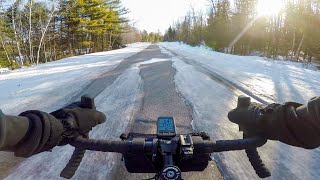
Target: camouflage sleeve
x,y
12,131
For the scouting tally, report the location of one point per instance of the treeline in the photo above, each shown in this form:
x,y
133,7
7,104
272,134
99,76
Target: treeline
x,y
150,37
33,32
135,35
236,27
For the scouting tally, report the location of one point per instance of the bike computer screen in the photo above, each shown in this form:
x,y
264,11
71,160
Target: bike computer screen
x,y
166,127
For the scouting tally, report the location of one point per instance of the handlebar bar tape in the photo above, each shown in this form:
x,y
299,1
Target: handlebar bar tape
x,y
207,146
241,144
137,145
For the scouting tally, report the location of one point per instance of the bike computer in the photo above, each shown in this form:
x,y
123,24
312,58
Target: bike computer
x,y
166,127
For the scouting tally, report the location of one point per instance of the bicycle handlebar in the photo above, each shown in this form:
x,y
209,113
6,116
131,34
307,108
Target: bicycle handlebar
x,y
144,145
139,146
100,145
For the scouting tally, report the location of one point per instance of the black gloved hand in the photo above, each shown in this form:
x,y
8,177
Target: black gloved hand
x,y
79,118
267,121
247,115
49,130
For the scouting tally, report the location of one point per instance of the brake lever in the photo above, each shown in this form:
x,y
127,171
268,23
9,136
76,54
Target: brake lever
x,y
252,153
256,162
74,162
77,155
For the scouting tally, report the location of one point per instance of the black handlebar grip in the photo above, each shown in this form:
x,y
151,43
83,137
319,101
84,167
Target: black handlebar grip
x,y
261,170
73,163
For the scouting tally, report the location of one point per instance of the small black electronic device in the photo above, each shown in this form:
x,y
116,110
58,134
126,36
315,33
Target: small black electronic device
x,y
166,127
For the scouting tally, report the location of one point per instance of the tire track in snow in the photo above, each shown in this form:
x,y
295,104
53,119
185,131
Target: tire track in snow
x,y
106,79
218,78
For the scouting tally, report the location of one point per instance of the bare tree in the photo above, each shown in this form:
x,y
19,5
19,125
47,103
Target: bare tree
x,y
15,31
213,7
299,48
30,30
44,30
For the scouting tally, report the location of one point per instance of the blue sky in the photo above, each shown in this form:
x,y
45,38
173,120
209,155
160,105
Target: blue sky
x,y
154,15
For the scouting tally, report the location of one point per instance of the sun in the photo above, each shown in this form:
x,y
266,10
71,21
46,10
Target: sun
x,y
269,7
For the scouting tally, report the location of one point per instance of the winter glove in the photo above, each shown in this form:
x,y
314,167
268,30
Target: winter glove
x,y
49,130
287,123
274,122
44,133
79,118
248,116
305,129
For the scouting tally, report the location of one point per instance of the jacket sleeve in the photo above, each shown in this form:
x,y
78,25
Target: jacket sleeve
x,y
297,125
308,125
12,130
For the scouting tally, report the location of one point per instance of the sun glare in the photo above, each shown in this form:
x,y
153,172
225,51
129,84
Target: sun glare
x,y
269,7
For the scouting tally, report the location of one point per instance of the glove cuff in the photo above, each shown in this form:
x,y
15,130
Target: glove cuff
x,y
44,133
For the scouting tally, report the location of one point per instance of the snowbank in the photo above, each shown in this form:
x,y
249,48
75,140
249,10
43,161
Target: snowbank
x,y
271,80
3,70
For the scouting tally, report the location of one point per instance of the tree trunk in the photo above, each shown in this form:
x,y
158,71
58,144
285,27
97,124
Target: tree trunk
x,y
30,31
102,41
5,50
114,40
110,41
299,49
15,33
45,53
43,33
54,51
293,45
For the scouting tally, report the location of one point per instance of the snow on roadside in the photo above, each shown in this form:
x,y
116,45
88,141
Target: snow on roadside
x,y
51,85
3,70
211,102
271,80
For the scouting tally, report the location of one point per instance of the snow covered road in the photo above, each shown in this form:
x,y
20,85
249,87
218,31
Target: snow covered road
x,y
135,85
140,89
